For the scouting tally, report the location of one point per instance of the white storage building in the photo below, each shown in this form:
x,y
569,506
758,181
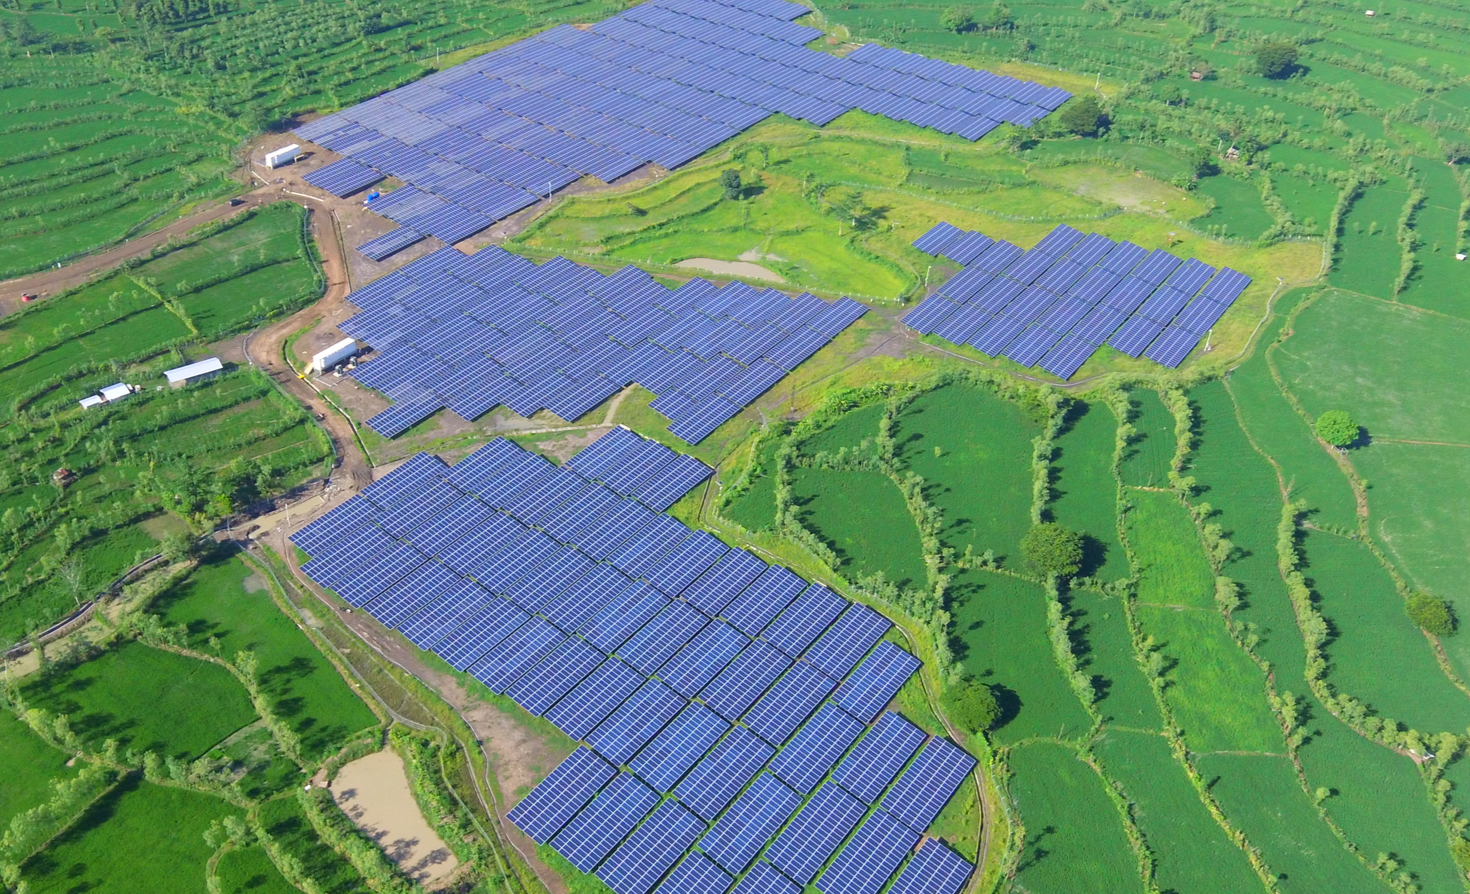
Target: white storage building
x,y
325,360
194,372
282,156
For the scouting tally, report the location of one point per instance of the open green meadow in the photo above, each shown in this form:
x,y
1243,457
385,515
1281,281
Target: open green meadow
x,y
1124,696
250,871
1238,212
1083,491
1150,451
1172,569
861,515
224,602
285,821
31,765
1367,258
146,699
1194,853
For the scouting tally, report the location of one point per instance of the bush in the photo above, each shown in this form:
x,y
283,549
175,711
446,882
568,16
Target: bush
x,y
730,180
1337,427
957,19
972,705
1052,550
1431,613
1276,59
1082,115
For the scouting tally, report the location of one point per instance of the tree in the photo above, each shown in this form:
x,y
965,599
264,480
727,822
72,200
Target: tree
x,y
972,705
1082,115
1201,161
1431,613
1338,428
957,19
1052,550
730,180
1000,18
1276,59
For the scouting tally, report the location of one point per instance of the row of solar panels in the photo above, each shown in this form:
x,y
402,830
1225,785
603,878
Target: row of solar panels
x,y
1056,304
688,665
661,83
474,332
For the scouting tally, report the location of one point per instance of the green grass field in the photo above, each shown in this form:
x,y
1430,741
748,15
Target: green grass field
x,y
1239,212
1146,459
981,477
1125,698
138,837
1262,797
850,431
1000,633
1310,202
250,871
285,821
1194,854
31,767
755,509
146,699
862,516
1084,493
1074,836
1172,567
223,600
1367,258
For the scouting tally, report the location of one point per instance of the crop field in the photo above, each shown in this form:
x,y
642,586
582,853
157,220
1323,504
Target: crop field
x,y
1308,201
1125,698
850,430
974,450
1262,797
1194,854
1367,259
1146,459
861,516
1074,835
1000,636
1238,211
31,767
249,870
117,845
755,508
1172,568
285,821
223,601
1084,493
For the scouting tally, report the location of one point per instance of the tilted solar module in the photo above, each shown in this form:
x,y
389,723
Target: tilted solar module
x,y
408,596
557,798
703,658
602,536
516,654
603,454
673,481
808,757
332,527
652,850
698,874
743,680
934,870
937,237
814,835
1172,346
592,700
554,677
688,560
446,614
876,759
658,641
725,581
766,597
644,549
1135,335
679,746
743,830
601,825
623,616
870,858
928,783
633,723
575,605
930,314
876,681
538,586
765,879
405,481
1226,286
715,780
789,702
804,620
496,620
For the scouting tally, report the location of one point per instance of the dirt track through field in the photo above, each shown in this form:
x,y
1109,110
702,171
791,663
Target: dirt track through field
x,y
374,792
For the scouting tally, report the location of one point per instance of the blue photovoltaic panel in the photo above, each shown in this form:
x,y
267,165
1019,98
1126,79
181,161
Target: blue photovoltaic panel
x,y
928,784
734,841
871,858
573,607
753,609
849,638
622,617
698,874
652,850
517,654
601,825
673,481
643,550
874,684
704,657
594,698
804,620
552,803
934,870
876,760
446,614
662,637
794,697
497,620
743,680
685,562
1226,286
714,781
938,236
406,481
605,453
735,571
815,834
1172,346
765,879
665,760
805,761
554,677
636,721
335,525
406,597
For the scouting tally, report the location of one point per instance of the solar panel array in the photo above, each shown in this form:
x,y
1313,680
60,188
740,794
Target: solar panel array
x,y
1054,305
660,83
718,749
471,333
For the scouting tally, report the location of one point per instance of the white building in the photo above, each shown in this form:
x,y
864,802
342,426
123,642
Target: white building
x,y
194,372
107,395
325,360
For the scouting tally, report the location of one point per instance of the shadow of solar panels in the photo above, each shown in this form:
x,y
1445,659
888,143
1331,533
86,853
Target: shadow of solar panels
x,y
470,333
720,742
660,83
1055,304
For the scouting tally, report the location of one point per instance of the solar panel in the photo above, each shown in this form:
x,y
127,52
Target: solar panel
x,y
497,620
743,830
705,656
937,237
597,696
558,797
744,679
652,850
621,618
636,721
849,638
698,874
934,870
814,835
661,638
876,681
408,596
685,562
812,753
673,481
554,677
644,549
764,879
601,825
446,614
770,593
716,779
927,785
1172,346
877,758
870,859
789,702
804,620
670,754
574,606
735,571
516,654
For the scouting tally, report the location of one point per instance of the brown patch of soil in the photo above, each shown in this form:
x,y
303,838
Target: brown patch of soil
x,y
373,791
